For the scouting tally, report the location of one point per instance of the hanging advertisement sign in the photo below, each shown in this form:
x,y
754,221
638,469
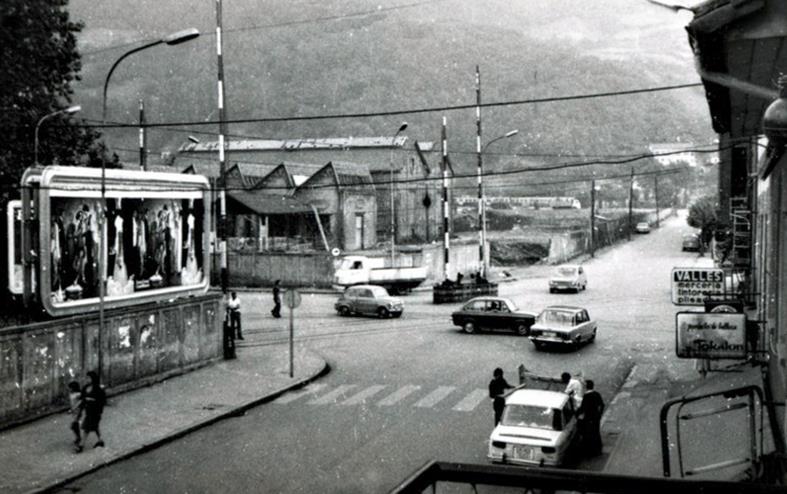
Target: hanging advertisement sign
x,y
716,335
692,286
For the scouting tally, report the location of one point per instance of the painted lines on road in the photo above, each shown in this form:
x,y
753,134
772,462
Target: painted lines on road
x,y
294,395
398,395
362,396
435,397
333,396
471,401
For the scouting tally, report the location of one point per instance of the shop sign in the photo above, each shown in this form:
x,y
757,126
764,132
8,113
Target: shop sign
x,y
692,286
710,335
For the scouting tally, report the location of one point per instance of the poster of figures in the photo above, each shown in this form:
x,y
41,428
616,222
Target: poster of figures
x,y
146,244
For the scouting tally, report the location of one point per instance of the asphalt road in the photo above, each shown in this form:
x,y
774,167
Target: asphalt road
x,y
405,391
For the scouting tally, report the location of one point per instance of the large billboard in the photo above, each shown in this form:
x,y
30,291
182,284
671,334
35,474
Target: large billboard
x,y
148,238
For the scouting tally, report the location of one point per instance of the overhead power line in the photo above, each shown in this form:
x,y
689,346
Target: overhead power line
x,y
411,111
337,17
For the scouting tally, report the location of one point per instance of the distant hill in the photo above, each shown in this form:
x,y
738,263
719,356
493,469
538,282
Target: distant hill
x,y
417,57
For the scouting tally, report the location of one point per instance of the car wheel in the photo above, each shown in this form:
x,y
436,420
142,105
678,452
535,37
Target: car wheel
x,y
383,313
522,329
539,346
397,315
584,287
592,337
469,327
344,311
551,290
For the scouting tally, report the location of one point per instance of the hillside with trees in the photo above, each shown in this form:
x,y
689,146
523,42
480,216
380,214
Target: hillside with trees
x,y
305,58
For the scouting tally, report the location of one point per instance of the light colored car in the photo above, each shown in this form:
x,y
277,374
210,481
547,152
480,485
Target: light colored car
x,y
563,325
568,277
369,300
538,427
642,227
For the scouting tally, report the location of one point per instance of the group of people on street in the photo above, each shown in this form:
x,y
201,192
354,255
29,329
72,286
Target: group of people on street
x,y
587,402
86,407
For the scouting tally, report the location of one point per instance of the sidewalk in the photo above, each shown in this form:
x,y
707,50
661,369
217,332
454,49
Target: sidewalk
x,y
39,455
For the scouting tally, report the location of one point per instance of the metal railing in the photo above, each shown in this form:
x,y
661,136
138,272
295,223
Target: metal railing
x,y
433,473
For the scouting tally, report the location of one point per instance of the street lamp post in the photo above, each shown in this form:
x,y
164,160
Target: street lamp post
x,y
172,39
391,186
70,110
481,201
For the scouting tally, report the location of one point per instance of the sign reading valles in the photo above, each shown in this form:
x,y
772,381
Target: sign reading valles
x,y
691,286
710,335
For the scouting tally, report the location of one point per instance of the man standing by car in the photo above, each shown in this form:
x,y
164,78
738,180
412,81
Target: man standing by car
x,y
590,420
497,387
574,388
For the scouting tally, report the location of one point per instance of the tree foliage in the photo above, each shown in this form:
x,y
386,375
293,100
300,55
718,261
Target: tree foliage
x,y
40,63
702,215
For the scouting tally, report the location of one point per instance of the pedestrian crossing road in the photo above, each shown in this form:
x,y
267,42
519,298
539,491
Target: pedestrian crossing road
x,y
382,395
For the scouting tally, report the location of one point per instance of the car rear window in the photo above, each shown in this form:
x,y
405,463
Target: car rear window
x,y
556,318
532,416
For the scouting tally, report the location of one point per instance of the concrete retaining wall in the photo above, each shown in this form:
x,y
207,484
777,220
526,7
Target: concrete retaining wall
x,y
139,346
255,269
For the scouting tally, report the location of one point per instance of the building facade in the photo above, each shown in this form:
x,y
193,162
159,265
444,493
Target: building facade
x,y
740,51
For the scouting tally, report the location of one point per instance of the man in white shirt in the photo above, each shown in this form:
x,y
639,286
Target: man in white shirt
x,y
574,388
233,306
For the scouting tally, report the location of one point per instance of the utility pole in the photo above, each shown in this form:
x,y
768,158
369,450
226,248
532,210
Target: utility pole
x,y
631,201
480,174
142,140
444,164
656,193
222,181
592,218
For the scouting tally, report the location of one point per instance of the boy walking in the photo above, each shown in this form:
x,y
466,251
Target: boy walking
x,y
276,312
497,388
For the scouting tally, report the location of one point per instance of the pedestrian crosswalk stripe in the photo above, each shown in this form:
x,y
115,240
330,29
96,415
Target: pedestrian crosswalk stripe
x,y
294,395
398,395
364,395
434,397
471,401
333,395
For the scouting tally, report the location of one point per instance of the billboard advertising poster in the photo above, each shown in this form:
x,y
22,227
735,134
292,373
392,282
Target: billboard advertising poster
x,y
692,286
710,335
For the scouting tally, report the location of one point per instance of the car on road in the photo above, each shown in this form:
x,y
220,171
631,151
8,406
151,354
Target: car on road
x,y
563,325
371,300
538,427
568,277
642,227
691,242
494,313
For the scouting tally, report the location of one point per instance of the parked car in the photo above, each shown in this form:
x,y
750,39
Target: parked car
x,y
642,227
493,313
369,300
568,277
563,325
691,241
538,427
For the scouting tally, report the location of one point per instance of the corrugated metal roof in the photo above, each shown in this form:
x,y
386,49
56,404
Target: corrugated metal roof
x,y
304,144
268,204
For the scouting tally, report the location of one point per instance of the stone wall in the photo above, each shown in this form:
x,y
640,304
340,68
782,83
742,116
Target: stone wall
x,y
140,345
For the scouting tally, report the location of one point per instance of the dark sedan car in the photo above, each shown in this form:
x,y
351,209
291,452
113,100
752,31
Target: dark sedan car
x,y
493,313
691,241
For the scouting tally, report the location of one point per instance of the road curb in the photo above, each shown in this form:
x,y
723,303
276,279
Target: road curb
x,y
231,413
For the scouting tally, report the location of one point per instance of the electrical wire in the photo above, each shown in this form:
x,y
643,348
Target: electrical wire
x,y
411,111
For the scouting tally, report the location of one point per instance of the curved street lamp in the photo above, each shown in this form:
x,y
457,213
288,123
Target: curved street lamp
x,y
482,202
69,111
171,39
391,186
